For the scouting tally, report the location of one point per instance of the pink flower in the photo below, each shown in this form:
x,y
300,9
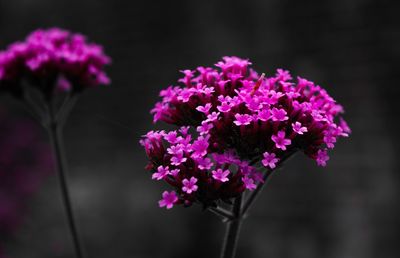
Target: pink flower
x,y
168,199
204,163
232,116
161,173
204,128
249,183
212,117
224,107
200,147
244,119
279,115
189,186
322,158
176,150
184,130
176,160
172,138
270,160
174,172
221,175
253,103
343,124
330,140
297,128
204,109
283,75
79,63
264,115
185,95
280,141
208,91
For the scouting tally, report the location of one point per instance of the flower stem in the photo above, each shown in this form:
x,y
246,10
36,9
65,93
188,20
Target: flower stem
x,y
232,230
224,214
56,139
253,196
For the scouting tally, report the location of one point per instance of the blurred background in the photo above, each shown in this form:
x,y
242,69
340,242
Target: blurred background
x,y
350,209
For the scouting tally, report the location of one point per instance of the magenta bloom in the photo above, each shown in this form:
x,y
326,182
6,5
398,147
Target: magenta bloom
x,y
221,175
168,199
161,173
231,120
204,109
204,163
297,128
213,117
189,186
322,158
279,115
53,59
280,140
243,119
200,147
205,127
249,183
270,160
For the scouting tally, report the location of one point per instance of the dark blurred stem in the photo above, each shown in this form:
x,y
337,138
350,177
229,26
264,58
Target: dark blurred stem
x,y
232,230
55,133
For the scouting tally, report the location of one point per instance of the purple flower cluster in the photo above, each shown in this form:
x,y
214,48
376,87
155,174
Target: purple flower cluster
x,y
229,119
53,58
25,161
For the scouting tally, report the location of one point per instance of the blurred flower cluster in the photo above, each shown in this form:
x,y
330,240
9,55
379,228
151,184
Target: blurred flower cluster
x,y
25,161
53,59
231,118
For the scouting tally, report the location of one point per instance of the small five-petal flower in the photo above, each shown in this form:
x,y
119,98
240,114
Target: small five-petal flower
x,y
280,141
168,199
270,160
161,173
189,186
298,128
221,175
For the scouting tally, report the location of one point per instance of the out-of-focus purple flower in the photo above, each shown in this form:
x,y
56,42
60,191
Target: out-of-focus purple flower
x,y
232,119
322,158
53,59
25,162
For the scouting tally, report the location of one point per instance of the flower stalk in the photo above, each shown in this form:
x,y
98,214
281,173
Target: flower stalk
x,y
53,64
232,230
54,129
230,120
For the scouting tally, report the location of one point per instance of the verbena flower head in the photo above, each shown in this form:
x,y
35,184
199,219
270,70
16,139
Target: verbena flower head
x,y
231,118
50,59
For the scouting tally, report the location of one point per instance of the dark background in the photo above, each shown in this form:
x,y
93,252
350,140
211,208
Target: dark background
x,y
350,209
